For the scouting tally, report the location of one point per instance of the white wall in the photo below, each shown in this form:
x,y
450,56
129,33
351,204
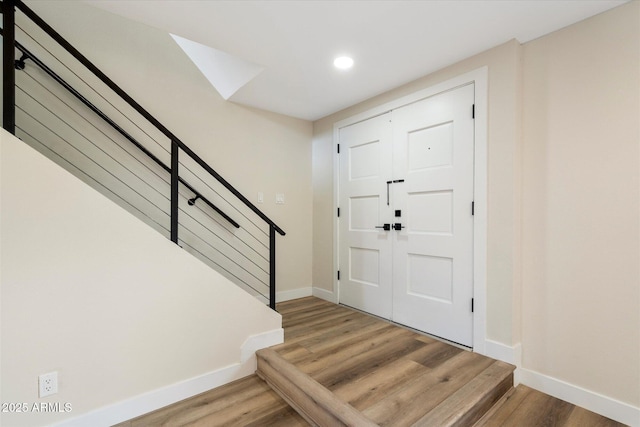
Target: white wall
x,y
116,309
256,151
581,193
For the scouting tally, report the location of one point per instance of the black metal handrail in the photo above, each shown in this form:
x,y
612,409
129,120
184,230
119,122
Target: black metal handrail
x,y
8,69
144,113
26,54
9,64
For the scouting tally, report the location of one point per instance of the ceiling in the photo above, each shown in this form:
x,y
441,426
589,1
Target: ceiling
x,y
392,42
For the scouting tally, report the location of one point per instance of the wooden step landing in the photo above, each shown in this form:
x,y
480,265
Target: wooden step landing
x,y
319,406
352,369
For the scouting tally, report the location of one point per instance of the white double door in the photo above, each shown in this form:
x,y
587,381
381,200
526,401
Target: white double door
x,y
406,224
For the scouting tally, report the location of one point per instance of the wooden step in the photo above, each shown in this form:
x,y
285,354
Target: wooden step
x,y
319,406
375,372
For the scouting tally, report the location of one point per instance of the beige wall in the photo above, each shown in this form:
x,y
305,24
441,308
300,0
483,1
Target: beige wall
x,y
503,177
253,149
581,302
91,292
563,200
563,209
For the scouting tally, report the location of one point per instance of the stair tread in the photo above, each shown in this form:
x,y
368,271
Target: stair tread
x,y
381,370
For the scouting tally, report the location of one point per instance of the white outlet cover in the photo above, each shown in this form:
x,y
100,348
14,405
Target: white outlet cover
x,y
280,198
48,384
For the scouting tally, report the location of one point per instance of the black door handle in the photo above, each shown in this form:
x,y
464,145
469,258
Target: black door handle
x,y
386,227
397,226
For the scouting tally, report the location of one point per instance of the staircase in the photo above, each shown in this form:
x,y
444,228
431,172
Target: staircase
x,y
354,370
57,101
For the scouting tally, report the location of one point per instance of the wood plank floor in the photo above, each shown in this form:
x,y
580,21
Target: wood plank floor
x,y
381,369
530,408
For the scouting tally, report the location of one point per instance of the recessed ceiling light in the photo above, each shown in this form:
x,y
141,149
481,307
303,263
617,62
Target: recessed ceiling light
x,y
343,62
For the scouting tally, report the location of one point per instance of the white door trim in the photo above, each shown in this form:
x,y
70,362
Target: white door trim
x,y
480,78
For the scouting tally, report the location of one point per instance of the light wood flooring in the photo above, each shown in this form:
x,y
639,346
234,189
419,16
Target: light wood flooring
x,y
383,370
393,375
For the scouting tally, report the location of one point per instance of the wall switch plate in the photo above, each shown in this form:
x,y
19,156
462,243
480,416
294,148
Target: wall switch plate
x,y
280,198
260,197
48,384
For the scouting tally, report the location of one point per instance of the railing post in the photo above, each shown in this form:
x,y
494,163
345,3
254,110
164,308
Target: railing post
x,y
272,267
174,191
8,67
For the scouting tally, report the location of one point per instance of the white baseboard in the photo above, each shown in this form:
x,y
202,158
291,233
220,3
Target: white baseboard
x,y
156,399
600,404
293,294
595,402
257,342
325,295
500,351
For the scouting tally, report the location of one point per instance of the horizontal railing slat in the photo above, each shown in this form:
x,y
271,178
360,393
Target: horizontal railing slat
x,y
29,55
141,110
120,180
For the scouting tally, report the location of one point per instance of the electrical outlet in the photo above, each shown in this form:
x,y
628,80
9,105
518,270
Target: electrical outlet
x,y
280,198
48,384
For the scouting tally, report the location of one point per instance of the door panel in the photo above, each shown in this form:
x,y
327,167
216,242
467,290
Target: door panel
x,y
412,167
433,253
365,251
431,212
430,147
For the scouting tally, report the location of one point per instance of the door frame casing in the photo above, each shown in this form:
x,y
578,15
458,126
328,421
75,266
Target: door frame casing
x,y
479,78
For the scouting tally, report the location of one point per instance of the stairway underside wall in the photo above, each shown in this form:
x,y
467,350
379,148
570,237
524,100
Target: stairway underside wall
x,y
93,293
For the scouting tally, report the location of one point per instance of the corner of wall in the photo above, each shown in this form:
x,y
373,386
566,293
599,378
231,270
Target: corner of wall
x,y
504,352
325,294
257,342
516,329
293,294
